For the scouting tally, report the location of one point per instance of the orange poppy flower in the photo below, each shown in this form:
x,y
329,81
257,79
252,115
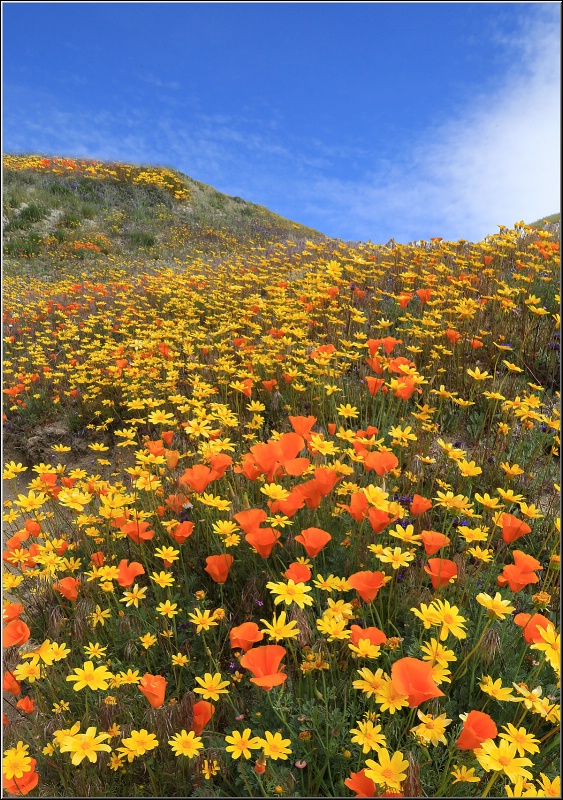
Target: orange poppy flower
x,y
475,343
359,783
290,506
313,540
424,294
358,507
441,571
138,531
299,573
303,425
12,611
433,541
404,300
154,688
406,388
379,520
25,784
331,427
513,528
182,531
202,712
172,458
477,727
68,587
97,558
155,447
15,541
32,527
263,540
413,678
175,502
264,663
532,623
374,635
367,584
10,684
269,385
396,365
296,466
452,336
197,477
219,464
128,572
388,343
16,632
26,704
218,566
248,467
375,364
521,573
382,462
250,520
167,437
419,505
245,635
320,486
374,385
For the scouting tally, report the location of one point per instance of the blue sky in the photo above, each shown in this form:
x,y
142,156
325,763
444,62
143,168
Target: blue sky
x,y
362,120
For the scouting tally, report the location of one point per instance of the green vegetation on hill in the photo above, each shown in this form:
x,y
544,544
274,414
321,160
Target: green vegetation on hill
x,y
552,218
63,210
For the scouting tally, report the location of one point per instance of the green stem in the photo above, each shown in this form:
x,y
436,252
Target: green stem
x,y
488,787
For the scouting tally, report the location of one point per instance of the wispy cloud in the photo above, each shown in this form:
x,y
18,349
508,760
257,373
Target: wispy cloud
x,y
494,164
153,80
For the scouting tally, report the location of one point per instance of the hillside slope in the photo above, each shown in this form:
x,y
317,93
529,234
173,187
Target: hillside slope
x,y
65,210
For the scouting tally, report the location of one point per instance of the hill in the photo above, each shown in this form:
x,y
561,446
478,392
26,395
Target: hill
x,y
552,219
63,210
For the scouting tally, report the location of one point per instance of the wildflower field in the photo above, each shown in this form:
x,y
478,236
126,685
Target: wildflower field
x,y
311,545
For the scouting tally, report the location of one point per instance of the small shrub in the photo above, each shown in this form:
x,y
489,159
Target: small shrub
x,y
142,238
28,246
70,219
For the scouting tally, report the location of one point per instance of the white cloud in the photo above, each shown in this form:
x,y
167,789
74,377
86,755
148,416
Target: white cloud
x,y
494,164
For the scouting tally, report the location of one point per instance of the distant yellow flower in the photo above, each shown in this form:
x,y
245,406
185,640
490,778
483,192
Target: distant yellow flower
x,y
432,729
525,742
275,746
496,689
211,686
368,736
388,772
497,607
168,609
240,744
464,775
290,592
131,598
202,621
502,758
180,660
186,744
139,743
511,471
347,411
85,745
147,640
468,468
91,677
279,629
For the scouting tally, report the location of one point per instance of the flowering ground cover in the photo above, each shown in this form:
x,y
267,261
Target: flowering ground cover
x,y
316,548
